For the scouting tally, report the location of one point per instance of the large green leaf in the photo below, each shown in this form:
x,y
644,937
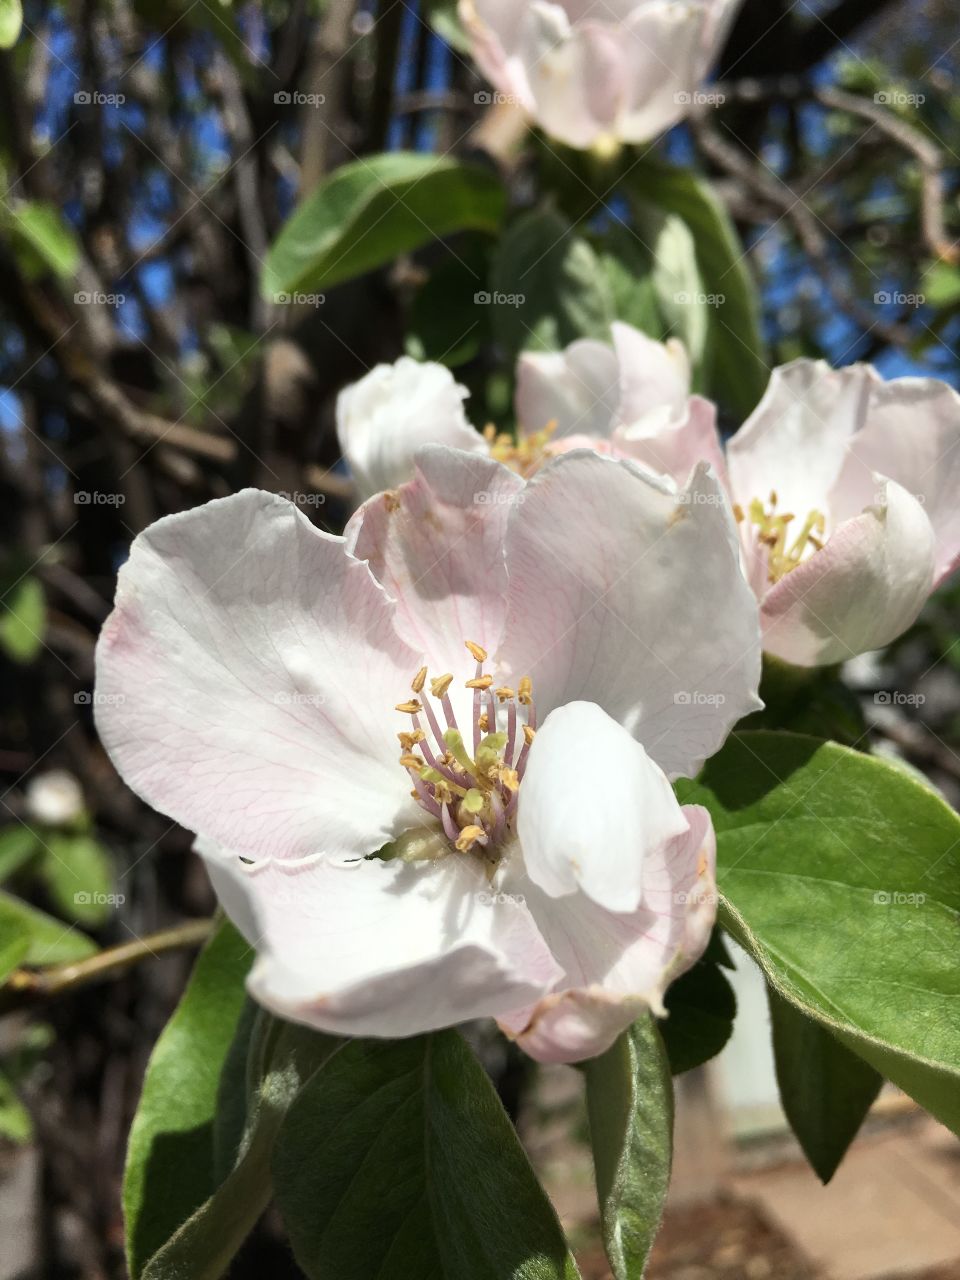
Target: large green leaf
x,y
48,941
22,620
281,1057
547,286
11,20
397,1160
18,844
44,239
701,1007
79,874
826,1090
841,875
737,370
630,1105
371,211
170,1169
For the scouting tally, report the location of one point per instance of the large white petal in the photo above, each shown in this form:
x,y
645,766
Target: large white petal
x,y
383,419
577,388
861,591
625,593
437,546
678,446
382,948
593,808
246,681
662,48
654,377
795,441
618,965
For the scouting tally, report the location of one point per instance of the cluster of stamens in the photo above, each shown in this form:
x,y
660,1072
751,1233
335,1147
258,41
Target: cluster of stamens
x,y
771,532
471,790
525,454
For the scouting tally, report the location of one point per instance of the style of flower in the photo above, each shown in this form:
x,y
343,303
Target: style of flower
x,y
428,761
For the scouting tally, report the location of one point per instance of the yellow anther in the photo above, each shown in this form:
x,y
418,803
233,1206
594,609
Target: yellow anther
x,y
411,761
477,650
483,721
528,734
468,837
442,792
489,433
409,740
505,693
411,707
391,500
525,691
509,778
481,682
440,684
773,498
738,514
419,680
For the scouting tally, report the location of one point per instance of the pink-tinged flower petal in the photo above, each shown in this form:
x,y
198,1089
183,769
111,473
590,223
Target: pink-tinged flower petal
x,y
616,966
383,419
912,435
662,45
382,948
795,442
437,546
675,449
593,809
861,591
495,28
246,681
577,388
654,378
625,593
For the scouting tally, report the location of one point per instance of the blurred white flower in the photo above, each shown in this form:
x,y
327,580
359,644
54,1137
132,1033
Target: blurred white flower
x,y
54,798
594,76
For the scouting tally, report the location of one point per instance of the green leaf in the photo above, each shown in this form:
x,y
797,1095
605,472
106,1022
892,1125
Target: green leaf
x,y
841,876
368,213
49,242
11,20
547,286
48,941
679,286
702,1007
397,1160
826,1090
78,872
737,372
13,949
15,1122
446,323
18,844
281,1056
630,1106
22,620
169,1170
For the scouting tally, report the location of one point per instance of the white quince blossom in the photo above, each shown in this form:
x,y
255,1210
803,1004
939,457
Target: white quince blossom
x,y
629,398
595,76
848,499
427,762
54,798
385,417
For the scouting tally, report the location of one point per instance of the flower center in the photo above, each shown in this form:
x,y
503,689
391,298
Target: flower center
x,y
524,455
470,789
772,532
